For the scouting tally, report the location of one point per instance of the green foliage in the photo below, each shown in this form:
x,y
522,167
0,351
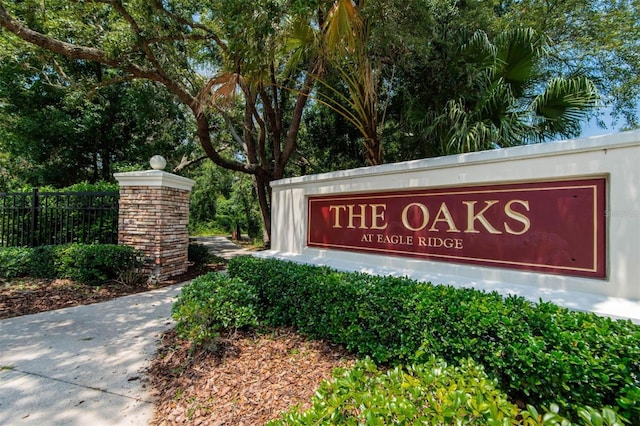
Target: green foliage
x,y
89,264
99,186
594,37
428,393
239,211
45,261
210,304
223,201
630,402
14,262
329,142
95,264
59,129
199,254
510,99
539,353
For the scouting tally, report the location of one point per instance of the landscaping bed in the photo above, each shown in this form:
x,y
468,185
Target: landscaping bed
x,y
234,357
249,380
251,377
29,295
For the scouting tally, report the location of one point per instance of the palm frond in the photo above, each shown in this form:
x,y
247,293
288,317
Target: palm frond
x,y
342,26
300,43
480,50
563,105
220,91
518,57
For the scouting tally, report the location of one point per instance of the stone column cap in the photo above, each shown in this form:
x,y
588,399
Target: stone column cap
x,y
157,178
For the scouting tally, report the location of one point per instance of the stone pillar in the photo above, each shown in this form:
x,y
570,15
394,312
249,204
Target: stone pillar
x,y
153,218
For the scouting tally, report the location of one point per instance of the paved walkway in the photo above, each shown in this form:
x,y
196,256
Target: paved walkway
x,y
220,246
84,365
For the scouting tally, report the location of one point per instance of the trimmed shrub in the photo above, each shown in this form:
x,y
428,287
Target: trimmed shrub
x,y
539,353
89,264
45,261
198,254
14,262
95,264
210,304
429,393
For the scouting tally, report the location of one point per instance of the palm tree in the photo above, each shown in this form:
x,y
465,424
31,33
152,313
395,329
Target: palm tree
x,y
346,36
511,101
340,41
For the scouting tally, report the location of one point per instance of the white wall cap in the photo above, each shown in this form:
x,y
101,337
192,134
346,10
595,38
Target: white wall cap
x,y
154,178
573,146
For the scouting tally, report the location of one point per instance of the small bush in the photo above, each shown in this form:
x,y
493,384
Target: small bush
x,y
199,254
14,262
95,264
540,353
89,264
45,261
210,304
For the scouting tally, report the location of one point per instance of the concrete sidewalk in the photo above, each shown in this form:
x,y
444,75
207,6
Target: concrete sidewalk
x,y
221,246
82,365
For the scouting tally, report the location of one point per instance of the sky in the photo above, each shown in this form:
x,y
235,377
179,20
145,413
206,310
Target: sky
x,y
591,128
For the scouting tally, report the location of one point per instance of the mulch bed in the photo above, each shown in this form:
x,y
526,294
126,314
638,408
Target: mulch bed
x,y
24,296
34,295
248,380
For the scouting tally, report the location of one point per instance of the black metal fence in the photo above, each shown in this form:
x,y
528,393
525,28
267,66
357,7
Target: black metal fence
x,y
51,218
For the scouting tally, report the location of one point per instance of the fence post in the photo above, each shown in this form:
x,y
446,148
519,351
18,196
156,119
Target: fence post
x,y
34,218
153,218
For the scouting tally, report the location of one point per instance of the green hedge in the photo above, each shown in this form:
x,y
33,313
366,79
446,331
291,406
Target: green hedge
x,y
430,393
89,264
15,262
539,353
210,304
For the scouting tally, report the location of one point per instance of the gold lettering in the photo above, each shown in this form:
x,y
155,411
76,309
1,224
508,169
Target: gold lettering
x,y
472,217
450,243
425,216
375,216
336,222
361,216
517,216
444,215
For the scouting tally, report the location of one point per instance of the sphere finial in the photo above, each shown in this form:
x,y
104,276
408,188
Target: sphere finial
x,y
158,162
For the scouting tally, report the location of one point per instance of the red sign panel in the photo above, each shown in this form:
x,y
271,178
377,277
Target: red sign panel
x,y
556,227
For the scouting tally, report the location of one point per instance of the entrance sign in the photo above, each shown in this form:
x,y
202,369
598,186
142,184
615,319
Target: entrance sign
x,y
554,227
557,221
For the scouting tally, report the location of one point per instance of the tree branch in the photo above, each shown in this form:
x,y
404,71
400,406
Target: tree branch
x,y
234,134
184,163
159,6
296,118
144,44
92,54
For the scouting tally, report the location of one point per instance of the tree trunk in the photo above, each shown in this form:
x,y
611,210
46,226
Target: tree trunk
x,y
374,149
263,190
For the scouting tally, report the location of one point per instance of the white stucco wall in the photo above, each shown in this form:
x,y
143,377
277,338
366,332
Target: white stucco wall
x,y
615,156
